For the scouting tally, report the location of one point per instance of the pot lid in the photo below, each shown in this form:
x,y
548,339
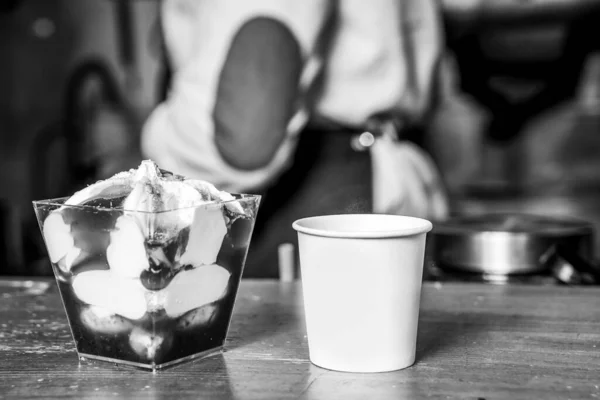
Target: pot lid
x,y
512,223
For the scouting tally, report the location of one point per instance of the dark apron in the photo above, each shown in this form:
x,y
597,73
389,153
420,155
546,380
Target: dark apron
x,y
327,177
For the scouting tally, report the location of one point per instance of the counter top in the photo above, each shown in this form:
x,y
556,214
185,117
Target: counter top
x,y
475,341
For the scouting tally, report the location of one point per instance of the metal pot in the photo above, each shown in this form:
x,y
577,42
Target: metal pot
x,y
505,244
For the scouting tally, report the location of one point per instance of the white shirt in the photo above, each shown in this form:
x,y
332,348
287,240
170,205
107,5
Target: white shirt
x,y
381,58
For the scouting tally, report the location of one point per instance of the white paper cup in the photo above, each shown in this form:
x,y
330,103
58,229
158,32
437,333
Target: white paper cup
x,y
361,279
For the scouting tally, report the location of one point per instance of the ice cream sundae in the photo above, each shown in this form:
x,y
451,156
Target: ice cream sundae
x,y
148,264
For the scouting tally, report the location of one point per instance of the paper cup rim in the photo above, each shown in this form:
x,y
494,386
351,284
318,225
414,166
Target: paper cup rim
x,y
412,226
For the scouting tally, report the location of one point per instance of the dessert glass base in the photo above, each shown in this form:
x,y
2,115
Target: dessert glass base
x,y
153,367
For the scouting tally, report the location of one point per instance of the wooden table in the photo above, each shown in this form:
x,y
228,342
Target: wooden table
x,y
475,341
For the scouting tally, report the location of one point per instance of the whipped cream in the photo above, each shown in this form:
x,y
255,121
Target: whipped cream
x,y
157,206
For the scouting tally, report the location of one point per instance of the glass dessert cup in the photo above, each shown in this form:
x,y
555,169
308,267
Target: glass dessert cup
x,y
148,289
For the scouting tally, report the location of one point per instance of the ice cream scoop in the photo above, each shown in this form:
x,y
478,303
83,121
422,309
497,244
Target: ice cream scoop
x,y
125,254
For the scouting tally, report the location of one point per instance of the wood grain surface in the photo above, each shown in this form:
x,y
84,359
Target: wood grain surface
x,y
475,341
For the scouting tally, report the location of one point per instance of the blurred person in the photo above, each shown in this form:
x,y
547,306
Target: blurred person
x,y
318,105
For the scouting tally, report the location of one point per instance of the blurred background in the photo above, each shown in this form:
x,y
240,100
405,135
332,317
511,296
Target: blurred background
x,y
517,127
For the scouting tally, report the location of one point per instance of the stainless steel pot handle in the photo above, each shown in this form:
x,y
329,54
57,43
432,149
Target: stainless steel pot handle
x,y
569,267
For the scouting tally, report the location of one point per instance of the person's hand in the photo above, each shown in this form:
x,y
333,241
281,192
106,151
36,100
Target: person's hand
x,y
406,181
